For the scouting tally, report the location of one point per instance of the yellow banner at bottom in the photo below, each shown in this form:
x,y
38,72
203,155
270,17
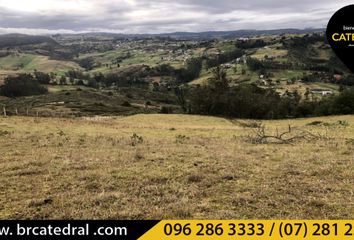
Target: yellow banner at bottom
x,y
251,230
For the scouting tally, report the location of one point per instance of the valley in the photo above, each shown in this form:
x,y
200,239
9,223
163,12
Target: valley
x,y
216,125
111,64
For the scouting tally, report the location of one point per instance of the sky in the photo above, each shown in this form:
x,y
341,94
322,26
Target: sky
x,y
162,16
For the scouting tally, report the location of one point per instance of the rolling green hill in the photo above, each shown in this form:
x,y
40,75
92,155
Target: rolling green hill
x,y
14,40
288,64
23,62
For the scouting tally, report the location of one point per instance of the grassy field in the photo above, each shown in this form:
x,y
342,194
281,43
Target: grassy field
x,y
269,51
137,58
30,62
173,166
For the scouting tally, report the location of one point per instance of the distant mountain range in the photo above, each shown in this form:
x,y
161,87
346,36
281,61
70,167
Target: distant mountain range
x,y
11,40
205,35
212,34
238,33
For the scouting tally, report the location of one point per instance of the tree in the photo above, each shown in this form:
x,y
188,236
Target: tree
x,y
42,78
92,83
62,80
219,81
255,64
181,97
219,87
224,58
87,63
99,77
193,69
190,72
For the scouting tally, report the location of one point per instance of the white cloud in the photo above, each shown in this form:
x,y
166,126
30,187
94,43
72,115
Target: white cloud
x,y
48,6
144,16
34,31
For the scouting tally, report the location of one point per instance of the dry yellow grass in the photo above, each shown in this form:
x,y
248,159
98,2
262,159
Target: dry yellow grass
x,y
270,51
4,74
184,167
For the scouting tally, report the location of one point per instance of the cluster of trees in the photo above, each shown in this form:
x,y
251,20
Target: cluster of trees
x,y
250,101
336,105
42,78
224,58
299,46
250,44
188,73
348,80
243,101
121,80
22,85
262,66
256,65
76,74
87,63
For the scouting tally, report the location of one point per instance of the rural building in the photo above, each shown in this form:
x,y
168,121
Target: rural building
x,y
323,92
337,77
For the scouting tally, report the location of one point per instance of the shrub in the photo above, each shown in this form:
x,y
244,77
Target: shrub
x,y
343,123
126,104
315,123
4,133
181,139
136,139
166,110
250,124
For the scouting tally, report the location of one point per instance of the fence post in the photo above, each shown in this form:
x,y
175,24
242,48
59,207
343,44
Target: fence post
x,y
4,110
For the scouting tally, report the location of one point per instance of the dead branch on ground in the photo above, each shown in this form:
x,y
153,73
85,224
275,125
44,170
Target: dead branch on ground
x,y
261,135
